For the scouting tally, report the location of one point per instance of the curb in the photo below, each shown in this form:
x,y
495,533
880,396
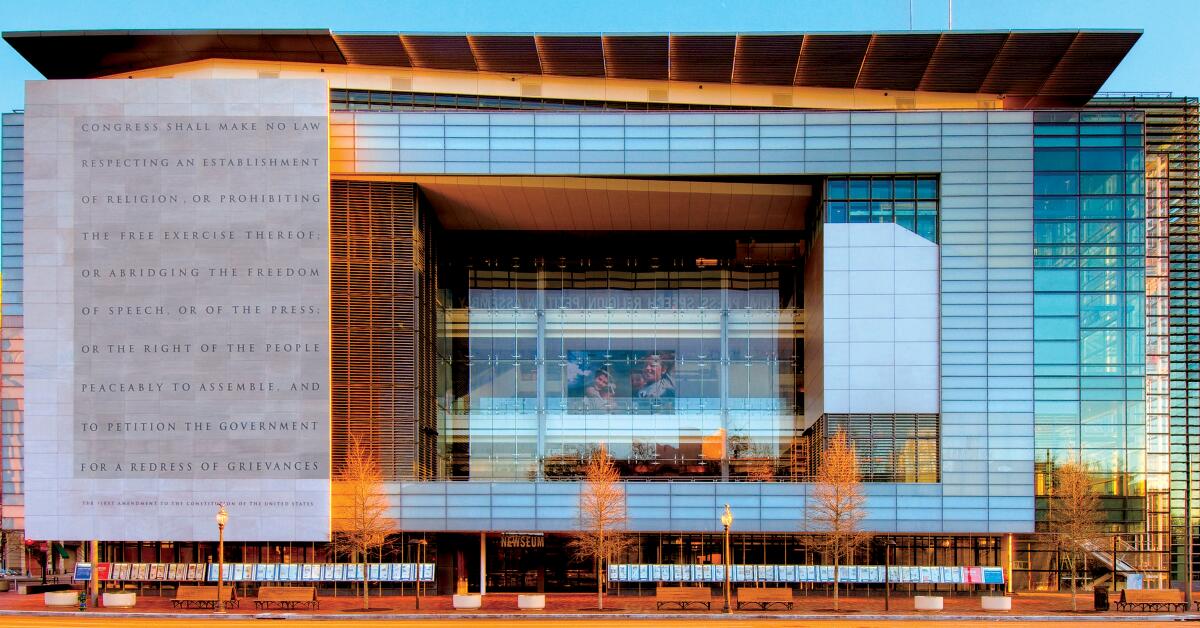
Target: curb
x,y
607,616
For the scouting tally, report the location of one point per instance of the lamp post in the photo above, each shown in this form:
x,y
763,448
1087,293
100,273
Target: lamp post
x,y
887,576
726,521
222,519
420,543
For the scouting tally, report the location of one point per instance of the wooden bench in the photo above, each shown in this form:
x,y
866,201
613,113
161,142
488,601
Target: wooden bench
x,y
204,597
287,597
1151,600
763,598
684,597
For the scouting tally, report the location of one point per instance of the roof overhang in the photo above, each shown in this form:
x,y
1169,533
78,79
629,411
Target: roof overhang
x,y
1033,68
565,204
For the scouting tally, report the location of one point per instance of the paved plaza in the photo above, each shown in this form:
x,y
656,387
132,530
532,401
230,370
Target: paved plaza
x,y
566,606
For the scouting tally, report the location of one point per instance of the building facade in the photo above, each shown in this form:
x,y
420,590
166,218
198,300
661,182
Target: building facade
x,y
705,254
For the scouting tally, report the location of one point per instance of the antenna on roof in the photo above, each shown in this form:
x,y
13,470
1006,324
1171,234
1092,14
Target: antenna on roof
x,y
950,18
910,14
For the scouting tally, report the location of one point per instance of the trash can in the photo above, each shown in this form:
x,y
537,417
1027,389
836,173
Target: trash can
x,y
1100,598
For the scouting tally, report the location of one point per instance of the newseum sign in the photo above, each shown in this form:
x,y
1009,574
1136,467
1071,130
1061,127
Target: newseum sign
x,y
177,309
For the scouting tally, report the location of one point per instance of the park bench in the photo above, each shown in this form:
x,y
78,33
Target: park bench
x,y
763,598
684,597
203,597
287,597
1151,600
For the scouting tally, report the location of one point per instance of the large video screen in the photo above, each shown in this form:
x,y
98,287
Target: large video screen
x,y
621,381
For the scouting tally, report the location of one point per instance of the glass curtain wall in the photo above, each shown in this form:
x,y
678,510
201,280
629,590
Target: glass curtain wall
x,y
1089,310
677,367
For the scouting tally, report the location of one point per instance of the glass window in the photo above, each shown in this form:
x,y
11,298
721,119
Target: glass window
x,y
1135,159
1055,183
927,188
1062,207
1099,280
1055,129
1055,328
1045,159
836,212
1055,304
905,188
1101,159
1053,142
836,188
860,188
1055,280
1104,436
881,188
1056,352
1102,140
1101,310
1135,183
1102,348
927,227
1102,232
1101,129
1135,232
1103,207
1056,232
1101,184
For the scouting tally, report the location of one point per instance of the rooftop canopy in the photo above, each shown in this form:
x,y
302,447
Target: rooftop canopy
x,y
1038,68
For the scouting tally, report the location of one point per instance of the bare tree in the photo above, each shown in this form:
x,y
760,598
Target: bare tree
x,y
359,508
1075,518
602,517
835,509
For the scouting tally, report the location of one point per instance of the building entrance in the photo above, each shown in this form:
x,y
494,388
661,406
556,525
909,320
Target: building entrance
x,y
516,562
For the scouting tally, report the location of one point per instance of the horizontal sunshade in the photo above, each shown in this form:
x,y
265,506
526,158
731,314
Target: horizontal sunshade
x,y
1039,68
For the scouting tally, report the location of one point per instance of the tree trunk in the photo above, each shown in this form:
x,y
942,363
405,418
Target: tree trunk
x,y
1071,565
836,600
366,585
599,584
600,572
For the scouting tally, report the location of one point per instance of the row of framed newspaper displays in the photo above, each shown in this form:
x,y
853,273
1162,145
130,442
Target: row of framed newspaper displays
x,y
260,572
806,573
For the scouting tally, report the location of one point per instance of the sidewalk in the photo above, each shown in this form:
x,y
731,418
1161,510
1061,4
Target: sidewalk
x,y
1050,606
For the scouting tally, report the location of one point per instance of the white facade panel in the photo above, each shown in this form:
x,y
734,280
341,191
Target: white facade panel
x,y
888,269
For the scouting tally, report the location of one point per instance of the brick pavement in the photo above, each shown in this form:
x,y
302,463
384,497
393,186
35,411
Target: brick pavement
x,y
1023,604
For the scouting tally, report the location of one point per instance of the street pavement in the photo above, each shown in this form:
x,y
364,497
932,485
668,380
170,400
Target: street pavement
x,y
528,622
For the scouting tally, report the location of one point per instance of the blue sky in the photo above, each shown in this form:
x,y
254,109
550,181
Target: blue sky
x,y
1166,59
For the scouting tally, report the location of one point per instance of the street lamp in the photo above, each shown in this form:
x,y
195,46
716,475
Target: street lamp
x,y
887,576
726,521
222,519
420,543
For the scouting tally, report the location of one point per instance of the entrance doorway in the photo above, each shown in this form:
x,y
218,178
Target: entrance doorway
x,y
516,563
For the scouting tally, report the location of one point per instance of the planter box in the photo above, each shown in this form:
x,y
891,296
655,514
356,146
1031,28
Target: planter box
x,y
996,603
531,602
119,600
61,598
471,601
927,602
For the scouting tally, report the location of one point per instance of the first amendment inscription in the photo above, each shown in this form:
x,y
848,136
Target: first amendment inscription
x,y
196,306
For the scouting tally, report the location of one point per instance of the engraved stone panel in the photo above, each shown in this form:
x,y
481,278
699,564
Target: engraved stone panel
x,y
181,357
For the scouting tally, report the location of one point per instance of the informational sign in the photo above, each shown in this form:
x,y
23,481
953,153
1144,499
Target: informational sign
x,y
183,273
898,574
993,575
83,572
